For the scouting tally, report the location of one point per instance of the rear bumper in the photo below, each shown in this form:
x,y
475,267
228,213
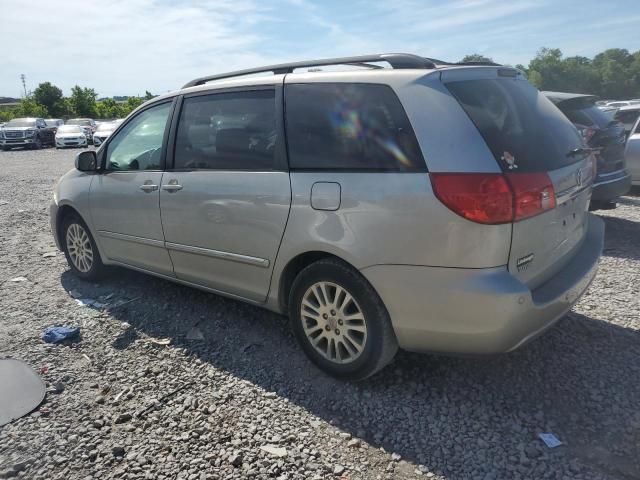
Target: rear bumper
x,y
480,311
611,186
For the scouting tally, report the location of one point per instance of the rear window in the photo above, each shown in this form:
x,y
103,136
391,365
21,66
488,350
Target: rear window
x,y
584,112
346,126
629,116
524,131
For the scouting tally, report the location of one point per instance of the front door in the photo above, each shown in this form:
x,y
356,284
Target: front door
x,y
226,201
124,197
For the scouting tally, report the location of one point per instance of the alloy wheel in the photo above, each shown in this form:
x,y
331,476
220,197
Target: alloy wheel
x,y
333,322
79,247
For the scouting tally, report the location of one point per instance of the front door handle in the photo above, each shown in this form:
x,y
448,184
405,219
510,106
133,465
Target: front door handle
x,y
148,187
172,186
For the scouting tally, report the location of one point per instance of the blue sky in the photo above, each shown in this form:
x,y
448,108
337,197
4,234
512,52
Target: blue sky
x,y
124,47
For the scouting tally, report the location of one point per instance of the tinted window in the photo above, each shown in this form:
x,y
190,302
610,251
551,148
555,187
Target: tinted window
x,y
585,113
523,130
138,146
349,126
227,131
629,116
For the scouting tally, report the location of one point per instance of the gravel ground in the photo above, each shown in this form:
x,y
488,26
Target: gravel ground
x,y
244,402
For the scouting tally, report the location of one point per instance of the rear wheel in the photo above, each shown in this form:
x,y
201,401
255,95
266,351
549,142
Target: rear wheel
x,y
80,249
340,321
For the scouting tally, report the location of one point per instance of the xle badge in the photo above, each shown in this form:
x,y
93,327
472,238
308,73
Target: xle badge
x,y
523,262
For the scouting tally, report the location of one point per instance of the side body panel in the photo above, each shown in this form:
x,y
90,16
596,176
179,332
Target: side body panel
x,y
223,229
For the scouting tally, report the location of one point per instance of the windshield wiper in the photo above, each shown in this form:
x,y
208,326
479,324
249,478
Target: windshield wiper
x,y
581,151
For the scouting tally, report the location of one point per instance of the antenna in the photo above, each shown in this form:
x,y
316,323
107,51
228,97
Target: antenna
x,y
24,83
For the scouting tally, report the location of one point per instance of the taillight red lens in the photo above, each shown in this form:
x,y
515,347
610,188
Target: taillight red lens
x,y
494,198
479,197
532,192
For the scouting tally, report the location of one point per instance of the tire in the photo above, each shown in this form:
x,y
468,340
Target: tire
x,y
38,144
72,236
6,149
348,353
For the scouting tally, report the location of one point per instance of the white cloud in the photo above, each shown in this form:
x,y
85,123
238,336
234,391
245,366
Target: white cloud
x,y
125,47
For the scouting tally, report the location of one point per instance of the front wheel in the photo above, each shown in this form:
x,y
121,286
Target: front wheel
x,y
80,249
38,144
340,321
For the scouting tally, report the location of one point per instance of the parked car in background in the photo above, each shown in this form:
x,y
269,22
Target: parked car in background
x,y
602,132
26,132
627,116
432,207
53,122
632,153
71,136
88,124
103,131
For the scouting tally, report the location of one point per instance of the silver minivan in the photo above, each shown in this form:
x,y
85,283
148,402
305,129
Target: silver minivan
x,y
397,202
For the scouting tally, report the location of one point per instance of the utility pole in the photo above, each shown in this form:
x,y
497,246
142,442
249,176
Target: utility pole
x,y
24,83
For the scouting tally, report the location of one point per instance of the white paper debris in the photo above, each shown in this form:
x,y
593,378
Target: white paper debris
x,y
550,440
90,302
18,279
49,254
278,452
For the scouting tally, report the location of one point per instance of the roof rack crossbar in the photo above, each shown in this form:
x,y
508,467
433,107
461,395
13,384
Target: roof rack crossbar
x,y
396,60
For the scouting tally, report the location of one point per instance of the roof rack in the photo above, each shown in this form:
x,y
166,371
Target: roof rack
x,y
396,60
480,63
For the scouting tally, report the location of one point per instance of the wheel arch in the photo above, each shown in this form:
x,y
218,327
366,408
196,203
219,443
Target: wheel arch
x,y
294,266
65,211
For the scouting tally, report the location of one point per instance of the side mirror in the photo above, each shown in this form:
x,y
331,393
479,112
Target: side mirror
x,y
87,161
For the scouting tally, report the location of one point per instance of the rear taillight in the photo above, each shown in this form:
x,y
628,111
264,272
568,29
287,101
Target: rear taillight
x,y
494,198
532,194
586,132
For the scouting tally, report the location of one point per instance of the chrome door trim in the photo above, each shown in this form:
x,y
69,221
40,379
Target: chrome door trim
x,y
130,238
234,257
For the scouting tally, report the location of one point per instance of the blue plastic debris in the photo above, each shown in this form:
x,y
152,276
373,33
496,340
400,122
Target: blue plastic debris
x,y
58,334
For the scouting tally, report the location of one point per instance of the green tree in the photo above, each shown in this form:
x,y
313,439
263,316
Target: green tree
x,y
83,101
108,108
30,108
50,96
148,95
475,57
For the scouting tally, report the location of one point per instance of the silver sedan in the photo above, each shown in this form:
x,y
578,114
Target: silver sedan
x,y
632,153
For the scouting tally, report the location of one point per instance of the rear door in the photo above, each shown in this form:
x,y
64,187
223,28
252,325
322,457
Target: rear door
x,y
226,200
527,134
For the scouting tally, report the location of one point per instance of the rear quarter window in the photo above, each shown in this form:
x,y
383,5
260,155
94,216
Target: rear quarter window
x,y
523,129
346,126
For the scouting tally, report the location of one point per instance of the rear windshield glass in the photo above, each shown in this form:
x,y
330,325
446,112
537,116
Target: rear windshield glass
x,y
585,113
524,131
343,126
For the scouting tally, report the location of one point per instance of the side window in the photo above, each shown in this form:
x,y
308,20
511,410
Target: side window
x,y
227,131
349,126
138,146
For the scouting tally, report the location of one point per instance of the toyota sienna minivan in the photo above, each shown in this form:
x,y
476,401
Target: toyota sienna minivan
x,y
399,202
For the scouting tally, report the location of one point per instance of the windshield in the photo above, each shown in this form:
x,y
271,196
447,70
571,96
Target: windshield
x,y
106,127
79,121
21,122
69,129
522,128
